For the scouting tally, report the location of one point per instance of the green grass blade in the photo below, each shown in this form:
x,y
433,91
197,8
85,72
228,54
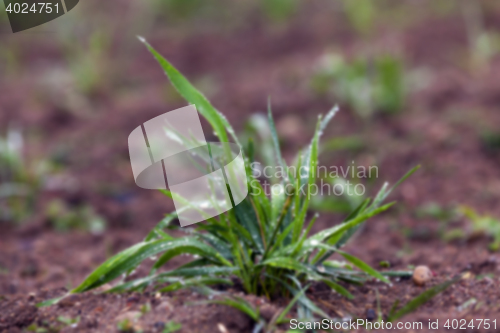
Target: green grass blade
x,y
128,259
289,306
276,144
241,305
50,301
217,243
199,271
122,263
171,327
158,230
247,218
339,229
384,193
338,288
192,95
198,281
397,273
351,232
132,285
335,234
278,197
304,300
287,263
364,267
190,246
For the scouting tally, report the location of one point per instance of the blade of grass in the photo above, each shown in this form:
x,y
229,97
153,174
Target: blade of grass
x,y
242,305
422,298
192,95
364,266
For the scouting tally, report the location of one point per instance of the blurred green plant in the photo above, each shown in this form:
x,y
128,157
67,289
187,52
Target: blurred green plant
x,y
344,203
361,14
436,211
87,62
183,9
366,85
479,225
490,140
279,10
221,17
171,327
396,313
483,224
83,217
445,217
40,329
9,61
68,321
483,44
262,241
126,326
45,327
261,324
21,179
257,132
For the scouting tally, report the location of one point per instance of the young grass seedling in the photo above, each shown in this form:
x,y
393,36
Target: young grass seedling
x,y
264,242
367,85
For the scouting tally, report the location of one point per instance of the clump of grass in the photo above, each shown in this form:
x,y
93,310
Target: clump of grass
x,y
367,85
82,217
478,225
484,44
264,242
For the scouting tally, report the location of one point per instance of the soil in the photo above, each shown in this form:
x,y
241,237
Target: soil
x,y
440,128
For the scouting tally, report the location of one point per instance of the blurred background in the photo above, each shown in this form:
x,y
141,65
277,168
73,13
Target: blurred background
x,y
416,80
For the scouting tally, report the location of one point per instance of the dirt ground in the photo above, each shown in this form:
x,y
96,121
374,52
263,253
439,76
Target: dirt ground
x,y
439,129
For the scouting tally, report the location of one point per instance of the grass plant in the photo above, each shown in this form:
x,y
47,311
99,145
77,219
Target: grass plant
x,y
265,242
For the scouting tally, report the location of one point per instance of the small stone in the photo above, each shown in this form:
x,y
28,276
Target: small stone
x,y
133,299
267,311
370,314
422,275
69,301
104,287
222,328
165,305
131,316
159,325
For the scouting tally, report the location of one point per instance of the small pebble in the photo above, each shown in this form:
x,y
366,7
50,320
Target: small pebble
x,y
422,275
131,316
165,305
159,325
267,311
222,328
